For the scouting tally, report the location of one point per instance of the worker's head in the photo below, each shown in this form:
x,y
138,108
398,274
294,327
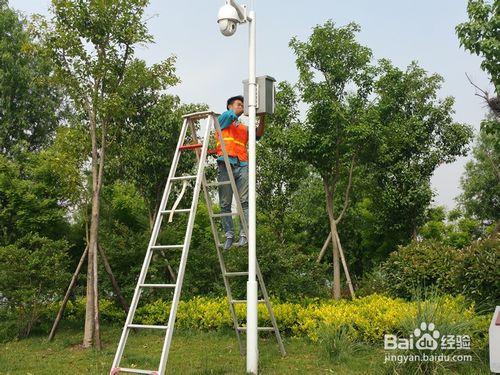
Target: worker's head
x,y
236,104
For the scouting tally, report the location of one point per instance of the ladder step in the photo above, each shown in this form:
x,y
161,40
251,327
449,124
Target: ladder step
x,y
258,328
179,210
163,247
147,326
134,371
230,274
180,178
245,301
191,146
225,214
200,115
157,285
212,184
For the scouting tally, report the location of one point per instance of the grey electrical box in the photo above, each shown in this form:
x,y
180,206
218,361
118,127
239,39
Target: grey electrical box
x,y
265,95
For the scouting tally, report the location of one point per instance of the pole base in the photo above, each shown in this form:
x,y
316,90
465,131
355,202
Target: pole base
x,y
252,333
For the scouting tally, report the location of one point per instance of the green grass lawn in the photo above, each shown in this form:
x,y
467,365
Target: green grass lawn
x,y
192,352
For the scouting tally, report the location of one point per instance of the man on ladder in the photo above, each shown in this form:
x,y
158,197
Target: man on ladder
x,y
235,136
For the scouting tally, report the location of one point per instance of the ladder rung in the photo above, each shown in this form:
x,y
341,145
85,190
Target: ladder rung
x,y
258,328
179,210
191,146
245,273
179,178
200,115
147,326
245,301
163,247
212,184
134,371
157,285
225,214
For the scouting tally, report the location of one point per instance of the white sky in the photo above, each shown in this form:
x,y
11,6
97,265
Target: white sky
x,y
212,67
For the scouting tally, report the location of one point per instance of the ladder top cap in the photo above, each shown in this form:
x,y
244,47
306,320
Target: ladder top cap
x,y
199,115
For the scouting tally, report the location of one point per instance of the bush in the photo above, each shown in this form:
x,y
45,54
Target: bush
x,y
477,275
369,317
431,265
36,269
420,265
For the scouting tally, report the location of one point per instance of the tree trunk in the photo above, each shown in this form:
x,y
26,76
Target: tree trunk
x,y
91,335
88,334
97,330
344,264
342,258
336,254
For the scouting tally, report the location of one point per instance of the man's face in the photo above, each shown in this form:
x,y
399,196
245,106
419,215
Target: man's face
x,y
237,107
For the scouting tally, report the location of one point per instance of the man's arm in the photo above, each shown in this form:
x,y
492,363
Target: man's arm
x,y
226,118
259,132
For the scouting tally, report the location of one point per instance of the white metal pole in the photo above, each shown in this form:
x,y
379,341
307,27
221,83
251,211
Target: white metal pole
x,y
252,334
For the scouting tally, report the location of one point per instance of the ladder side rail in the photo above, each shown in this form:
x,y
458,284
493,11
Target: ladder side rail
x,y
147,258
270,310
245,228
222,264
185,250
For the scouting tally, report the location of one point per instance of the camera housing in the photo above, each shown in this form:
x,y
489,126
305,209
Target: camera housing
x,y
229,17
227,27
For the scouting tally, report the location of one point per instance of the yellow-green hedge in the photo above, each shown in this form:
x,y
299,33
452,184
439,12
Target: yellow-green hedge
x,y
370,316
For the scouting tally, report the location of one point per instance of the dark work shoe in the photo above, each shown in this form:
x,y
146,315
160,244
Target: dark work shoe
x,y
228,243
242,242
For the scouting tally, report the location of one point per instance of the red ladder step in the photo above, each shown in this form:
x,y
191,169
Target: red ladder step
x,y
191,146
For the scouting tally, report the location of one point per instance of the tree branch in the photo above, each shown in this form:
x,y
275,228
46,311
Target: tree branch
x,y
485,95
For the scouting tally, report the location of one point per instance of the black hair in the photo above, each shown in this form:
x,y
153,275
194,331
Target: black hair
x,y
233,98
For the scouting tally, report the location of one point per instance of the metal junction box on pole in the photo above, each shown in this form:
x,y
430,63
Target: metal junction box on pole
x,y
265,95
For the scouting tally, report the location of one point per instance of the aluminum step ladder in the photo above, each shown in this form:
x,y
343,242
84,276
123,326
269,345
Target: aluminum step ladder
x,y
200,147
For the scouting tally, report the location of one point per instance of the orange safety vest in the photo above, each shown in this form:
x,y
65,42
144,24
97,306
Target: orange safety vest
x,y
235,140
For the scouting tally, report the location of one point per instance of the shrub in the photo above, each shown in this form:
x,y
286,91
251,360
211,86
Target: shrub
x,y
477,275
368,318
420,265
432,266
36,269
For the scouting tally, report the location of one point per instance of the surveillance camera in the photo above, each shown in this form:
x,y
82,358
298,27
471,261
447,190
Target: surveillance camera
x,y
228,19
227,27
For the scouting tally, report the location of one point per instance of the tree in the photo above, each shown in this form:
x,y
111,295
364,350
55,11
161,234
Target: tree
x,y
481,180
33,235
92,46
335,79
479,35
452,228
30,200
37,267
30,106
416,134
277,181
144,151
